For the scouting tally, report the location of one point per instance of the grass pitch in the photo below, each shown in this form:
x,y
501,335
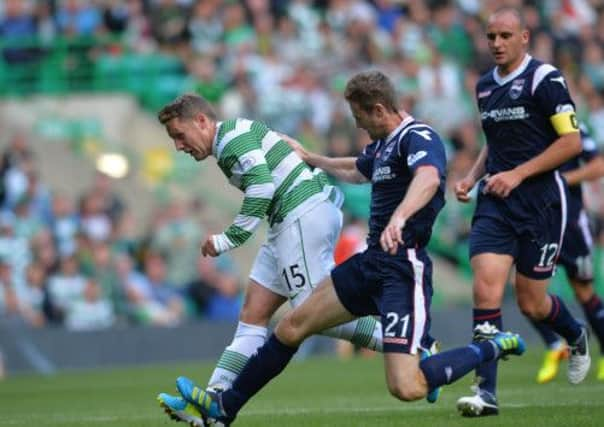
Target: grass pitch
x,y
317,392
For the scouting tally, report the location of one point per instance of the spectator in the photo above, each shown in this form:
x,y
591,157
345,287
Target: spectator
x,y
38,198
47,26
16,153
14,250
16,179
90,312
179,238
44,252
169,23
94,221
153,300
18,25
138,35
215,292
78,18
64,224
206,29
9,304
111,202
237,31
65,288
26,224
105,276
115,16
31,297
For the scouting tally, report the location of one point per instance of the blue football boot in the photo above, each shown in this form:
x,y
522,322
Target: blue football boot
x,y
432,395
207,401
180,410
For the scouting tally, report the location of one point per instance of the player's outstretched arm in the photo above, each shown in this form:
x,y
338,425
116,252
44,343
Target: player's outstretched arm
x,y
343,168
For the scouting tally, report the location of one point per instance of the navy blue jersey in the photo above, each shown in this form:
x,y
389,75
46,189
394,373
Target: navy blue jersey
x,y
590,150
389,164
515,112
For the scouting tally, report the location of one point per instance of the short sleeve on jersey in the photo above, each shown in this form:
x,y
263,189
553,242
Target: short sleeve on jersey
x,y
550,90
551,93
364,161
425,149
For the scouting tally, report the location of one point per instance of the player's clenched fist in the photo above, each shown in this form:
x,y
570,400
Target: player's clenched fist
x,y
208,248
462,188
502,183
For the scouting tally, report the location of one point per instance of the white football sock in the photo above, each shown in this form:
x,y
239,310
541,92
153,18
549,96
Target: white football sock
x,y
248,338
365,332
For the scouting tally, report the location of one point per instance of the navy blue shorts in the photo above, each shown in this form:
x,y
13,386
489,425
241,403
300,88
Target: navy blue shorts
x,y
576,254
529,229
397,288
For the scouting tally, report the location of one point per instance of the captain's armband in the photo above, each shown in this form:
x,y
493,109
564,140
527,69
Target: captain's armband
x,y
565,122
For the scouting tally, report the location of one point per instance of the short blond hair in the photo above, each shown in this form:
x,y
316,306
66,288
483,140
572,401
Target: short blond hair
x,y
186,106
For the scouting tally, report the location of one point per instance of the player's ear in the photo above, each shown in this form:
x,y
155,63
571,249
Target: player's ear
x,y
202,119
525,37
379,110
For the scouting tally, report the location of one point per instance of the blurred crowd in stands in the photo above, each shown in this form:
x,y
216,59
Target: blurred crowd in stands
x,y
284,62
79,263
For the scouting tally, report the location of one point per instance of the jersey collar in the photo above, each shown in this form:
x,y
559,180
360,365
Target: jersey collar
x,y
398,129
215,142
503,80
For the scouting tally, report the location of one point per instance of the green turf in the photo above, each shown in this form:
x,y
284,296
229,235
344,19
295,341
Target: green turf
x,y
317,392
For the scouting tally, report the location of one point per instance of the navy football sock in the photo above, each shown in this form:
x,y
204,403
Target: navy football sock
x,y
428,341
449,366
262,367
547,334
562,322
487,372
594,312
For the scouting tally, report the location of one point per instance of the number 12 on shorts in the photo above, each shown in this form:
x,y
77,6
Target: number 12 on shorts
x,y
548,252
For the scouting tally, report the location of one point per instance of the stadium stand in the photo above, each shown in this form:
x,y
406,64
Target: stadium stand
x,y
76,74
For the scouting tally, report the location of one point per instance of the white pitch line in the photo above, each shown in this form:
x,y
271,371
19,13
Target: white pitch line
x,y
402,408
293,411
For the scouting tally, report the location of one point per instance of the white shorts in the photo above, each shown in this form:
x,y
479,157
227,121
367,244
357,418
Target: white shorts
x,y
294,261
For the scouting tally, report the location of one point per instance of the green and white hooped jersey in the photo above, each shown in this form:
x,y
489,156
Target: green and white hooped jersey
x,y
276,182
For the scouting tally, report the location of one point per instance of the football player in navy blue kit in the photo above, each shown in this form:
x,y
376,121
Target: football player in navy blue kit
x,y
576,258
529,121
406,165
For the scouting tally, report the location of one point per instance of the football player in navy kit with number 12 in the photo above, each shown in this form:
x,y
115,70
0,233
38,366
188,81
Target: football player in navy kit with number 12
x,y
406,165
529,121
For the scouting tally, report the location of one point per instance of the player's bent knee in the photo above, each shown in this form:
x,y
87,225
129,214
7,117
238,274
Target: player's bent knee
x,y
406,392
532,309
406,387
527,309
290,331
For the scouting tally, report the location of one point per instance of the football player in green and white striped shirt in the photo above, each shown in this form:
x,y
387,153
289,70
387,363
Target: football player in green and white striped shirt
x,y
304,217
